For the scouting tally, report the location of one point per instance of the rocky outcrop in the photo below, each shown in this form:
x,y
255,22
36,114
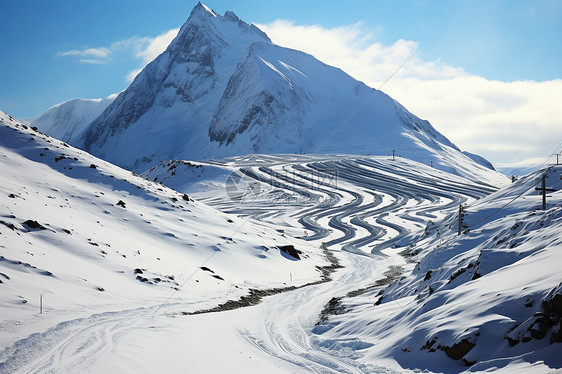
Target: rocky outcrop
x,y
544,322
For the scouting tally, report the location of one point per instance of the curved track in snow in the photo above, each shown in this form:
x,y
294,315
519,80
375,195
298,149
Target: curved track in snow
x,y
361,206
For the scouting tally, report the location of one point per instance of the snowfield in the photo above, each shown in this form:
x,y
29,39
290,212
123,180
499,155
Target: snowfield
x,y
183,270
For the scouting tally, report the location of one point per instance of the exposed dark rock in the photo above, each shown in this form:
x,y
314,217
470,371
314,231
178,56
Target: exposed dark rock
x,y
556,336
34,225
458,350
333,307
93,166
428,344
218,277
556,304
290,249
457,273
121,203
204,268
8,225
512,342
540,328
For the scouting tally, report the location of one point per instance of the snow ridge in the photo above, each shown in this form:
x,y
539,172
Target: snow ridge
x,y
66,121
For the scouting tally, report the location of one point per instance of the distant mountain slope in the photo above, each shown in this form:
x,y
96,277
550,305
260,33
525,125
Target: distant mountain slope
x,y
479,160
222,88
66,121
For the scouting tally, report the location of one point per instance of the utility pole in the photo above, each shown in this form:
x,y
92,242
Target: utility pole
x,y
544,191
393,154
557,155
460,219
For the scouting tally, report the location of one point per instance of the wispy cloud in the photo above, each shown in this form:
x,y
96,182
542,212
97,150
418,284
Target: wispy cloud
x,y
503,121
93,62
144,49
148,49
101,52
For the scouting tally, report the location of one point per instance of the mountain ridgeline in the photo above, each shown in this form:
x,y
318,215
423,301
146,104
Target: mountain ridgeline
x,y
222,88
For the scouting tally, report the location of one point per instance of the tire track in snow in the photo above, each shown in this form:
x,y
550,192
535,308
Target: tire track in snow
x,y
287,325
70,346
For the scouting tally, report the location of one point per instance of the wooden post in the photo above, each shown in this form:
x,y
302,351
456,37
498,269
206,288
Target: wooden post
x,y
460,219
41,304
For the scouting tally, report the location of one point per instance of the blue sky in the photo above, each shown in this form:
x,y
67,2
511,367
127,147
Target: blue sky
x,y
45,44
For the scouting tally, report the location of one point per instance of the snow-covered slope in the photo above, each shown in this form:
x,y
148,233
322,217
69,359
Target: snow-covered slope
x,y
89,238
222,88
107,250
490,298
66,121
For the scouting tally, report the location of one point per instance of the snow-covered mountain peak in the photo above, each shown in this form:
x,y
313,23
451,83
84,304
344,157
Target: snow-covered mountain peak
x,y
222,89
221,27
202,10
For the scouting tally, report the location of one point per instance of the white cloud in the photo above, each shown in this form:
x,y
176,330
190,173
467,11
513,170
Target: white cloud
x,y
503,121
133,73
93,62
143,48
101,52
155,46
149,48
112,96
